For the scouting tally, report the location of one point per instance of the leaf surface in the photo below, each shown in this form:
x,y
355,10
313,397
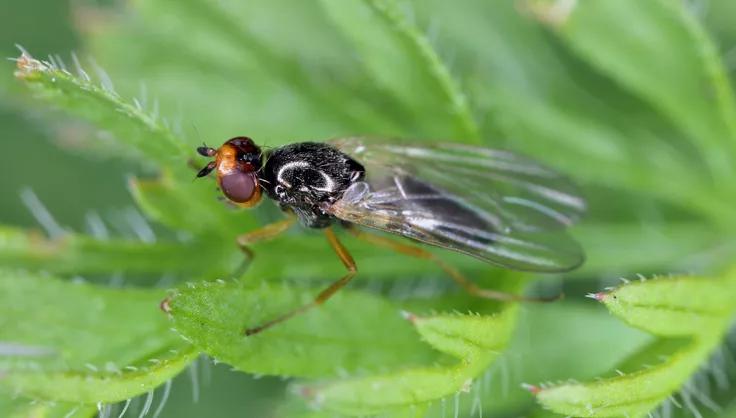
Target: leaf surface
x,y
689,314
76,342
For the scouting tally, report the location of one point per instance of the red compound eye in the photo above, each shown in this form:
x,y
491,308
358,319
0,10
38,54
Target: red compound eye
x,y
240,187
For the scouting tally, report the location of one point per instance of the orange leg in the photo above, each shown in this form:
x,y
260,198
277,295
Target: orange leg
x,y
261,234
323,296
414,251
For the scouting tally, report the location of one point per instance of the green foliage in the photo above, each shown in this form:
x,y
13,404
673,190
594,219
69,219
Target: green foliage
x,y
100,104
22,408
77,342
473,340
702,105
630,98
322,343
689,315
417,76
80,254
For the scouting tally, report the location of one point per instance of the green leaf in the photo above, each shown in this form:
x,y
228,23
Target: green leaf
x,y
538,98
545,348
401,58
690,314
654,150
256,79
633,394
74,254
81,343
112,385
211,256
139,132
675,307
666,57
472,339
338,337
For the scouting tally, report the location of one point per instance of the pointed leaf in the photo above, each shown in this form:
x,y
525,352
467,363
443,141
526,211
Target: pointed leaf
x,y
697,310
682,306
473,340
135,130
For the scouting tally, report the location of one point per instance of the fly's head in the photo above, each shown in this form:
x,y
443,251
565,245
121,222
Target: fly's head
x,y
236,163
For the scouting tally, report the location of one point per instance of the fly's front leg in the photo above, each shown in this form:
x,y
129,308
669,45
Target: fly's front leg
x,y
264,233
323,296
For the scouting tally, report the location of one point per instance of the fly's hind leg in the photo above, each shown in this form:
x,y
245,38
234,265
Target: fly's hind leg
x,y
418,252
264,233
323,296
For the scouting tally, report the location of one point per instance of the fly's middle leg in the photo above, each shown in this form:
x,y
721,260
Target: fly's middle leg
x,y
324,295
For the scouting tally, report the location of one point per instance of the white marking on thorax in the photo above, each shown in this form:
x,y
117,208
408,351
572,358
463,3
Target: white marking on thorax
x,y
329,182
289,166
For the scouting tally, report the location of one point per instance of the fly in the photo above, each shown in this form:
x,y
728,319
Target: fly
x,y
494,205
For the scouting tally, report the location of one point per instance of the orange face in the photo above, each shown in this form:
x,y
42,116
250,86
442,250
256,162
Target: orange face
x,y
236,163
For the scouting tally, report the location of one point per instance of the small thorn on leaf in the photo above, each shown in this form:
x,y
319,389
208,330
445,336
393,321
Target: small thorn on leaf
x,y
531,388
305,392
409,316
165,306
26,65
599,296
466,386
311,395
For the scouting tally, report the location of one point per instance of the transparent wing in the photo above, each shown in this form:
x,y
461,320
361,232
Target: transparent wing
x,y
517,192
494,205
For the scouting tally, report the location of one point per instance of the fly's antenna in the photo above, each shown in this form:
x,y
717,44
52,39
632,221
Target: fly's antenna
x,y
266,146
199,136
264,159
264,156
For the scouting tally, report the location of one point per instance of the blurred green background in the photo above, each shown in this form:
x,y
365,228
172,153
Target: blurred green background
x,y
77,184
72,181
71,185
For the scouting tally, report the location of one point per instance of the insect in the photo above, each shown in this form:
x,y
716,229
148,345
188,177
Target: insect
x,y
494,205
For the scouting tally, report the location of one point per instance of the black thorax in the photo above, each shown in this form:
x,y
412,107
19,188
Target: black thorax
x,y
301,176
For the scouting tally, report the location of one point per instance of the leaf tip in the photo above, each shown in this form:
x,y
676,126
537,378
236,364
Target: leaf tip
x,y
309,394
599,296
533,389
165,305
26,65
409,316
467,385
